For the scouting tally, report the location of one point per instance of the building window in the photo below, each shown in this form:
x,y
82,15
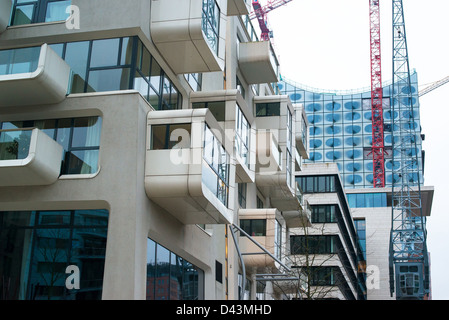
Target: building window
x,y
289,148
317,184
360,226
240,87
312,244
22,60
215,167
36,247
367,200
218,272
170,136
259,203
242,194
242,135
118,64
171,277
35,11
272,109
254,227
211,23
324,213
277,239
80,138
217,108
195,80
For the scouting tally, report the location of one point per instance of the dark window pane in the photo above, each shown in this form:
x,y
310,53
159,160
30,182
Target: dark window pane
x,y
76,57
23,15
82,162
104,53
109,80
86,132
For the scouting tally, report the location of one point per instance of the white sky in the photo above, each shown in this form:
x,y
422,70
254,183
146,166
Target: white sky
x,y
325,44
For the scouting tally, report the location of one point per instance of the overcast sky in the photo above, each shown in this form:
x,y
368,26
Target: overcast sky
x,y
325,44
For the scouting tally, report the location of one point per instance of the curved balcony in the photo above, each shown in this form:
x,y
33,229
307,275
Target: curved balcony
x,y
239,7
258,62
188,170
187,34
28,157
264,226
32,76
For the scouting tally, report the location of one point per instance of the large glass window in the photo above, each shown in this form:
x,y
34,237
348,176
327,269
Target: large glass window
x,y
215,173
36,247
242,135
313,184
34,11
254,227
80,138
170,277
211,23
169,136
23,60
324,213
118,64
367,200
271,109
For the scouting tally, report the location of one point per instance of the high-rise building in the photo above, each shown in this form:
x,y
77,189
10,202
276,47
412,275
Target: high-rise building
x,y
341,133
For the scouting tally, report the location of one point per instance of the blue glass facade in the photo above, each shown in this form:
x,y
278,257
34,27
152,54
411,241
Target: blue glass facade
x,y
341,131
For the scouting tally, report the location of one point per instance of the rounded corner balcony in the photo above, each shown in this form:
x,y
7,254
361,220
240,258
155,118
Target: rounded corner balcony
x,y
187,170
265,226
238,7
258,62
188,34
5,12
28,157
32,76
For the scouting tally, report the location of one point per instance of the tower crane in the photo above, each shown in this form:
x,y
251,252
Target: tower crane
x,y
260,12
433,86
408,258
376,97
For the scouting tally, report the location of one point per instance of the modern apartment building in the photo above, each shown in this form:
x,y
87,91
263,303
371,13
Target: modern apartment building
x,y
136,138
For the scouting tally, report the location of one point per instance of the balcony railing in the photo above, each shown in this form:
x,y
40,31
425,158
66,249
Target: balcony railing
x,y
28,157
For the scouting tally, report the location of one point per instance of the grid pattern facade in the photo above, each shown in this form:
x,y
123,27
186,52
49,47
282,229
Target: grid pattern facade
x,y
341,131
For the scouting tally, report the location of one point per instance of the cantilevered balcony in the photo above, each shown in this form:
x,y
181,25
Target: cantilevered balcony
x,y
238,7
189,34
5,12
28,157
188,170
32,76
267,228
258,62
275,174
301,131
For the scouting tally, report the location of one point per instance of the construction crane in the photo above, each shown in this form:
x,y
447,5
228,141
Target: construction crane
x,y
408,257
376,97
433,86
260,12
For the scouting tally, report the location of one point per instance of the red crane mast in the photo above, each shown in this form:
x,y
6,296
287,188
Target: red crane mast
x,y
376,97
260,12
